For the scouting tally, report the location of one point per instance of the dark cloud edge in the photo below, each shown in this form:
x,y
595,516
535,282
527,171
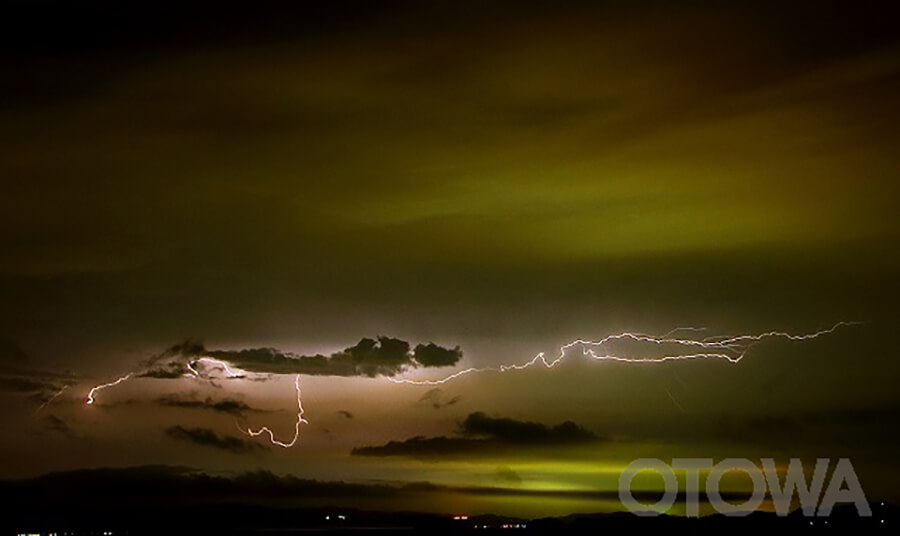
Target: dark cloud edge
x,y
205,437
230,406
481,434
381,356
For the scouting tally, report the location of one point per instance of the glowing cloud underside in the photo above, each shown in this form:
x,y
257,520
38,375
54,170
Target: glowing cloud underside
x,y
728,348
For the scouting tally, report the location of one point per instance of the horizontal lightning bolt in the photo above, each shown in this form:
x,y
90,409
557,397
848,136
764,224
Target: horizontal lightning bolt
x,y
728,348
731,349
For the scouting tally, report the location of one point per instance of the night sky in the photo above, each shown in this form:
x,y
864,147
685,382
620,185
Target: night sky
x,y
360,192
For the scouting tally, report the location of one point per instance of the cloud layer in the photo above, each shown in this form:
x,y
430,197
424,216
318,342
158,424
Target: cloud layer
x,y
482,434
382,356
208,438
227,405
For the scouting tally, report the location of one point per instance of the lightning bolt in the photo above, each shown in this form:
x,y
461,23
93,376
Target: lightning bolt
x,y
300,420
50,400
731,349
94,390
229,372
215,363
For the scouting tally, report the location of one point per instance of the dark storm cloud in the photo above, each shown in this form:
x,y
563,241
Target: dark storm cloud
x,y
429,447
383,356
165,371
432,355
346,414
226,405
189,347
208,438
524,432
485,435
171,363
436,399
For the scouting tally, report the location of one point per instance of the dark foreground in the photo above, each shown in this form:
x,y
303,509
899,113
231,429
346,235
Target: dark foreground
x,y
243,520
148,501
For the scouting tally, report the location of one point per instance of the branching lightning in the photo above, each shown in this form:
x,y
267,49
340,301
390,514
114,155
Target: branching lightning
x,y
731,349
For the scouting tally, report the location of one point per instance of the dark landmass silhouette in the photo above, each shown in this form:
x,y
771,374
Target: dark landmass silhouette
x,y
181,500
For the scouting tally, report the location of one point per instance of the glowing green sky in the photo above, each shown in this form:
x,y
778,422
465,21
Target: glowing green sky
x,y
502,178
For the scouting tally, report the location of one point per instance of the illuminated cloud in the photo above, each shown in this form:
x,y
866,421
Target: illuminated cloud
x,y
382,356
